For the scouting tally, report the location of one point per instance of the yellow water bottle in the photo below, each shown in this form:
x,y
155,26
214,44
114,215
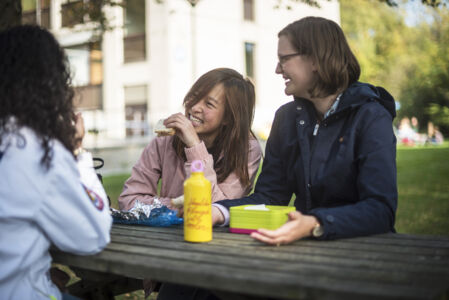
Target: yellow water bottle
x,y
197,205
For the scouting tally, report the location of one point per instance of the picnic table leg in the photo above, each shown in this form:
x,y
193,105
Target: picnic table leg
x,y
102,286
235,296
169,291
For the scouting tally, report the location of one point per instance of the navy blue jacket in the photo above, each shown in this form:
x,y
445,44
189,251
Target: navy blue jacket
x,y
345,175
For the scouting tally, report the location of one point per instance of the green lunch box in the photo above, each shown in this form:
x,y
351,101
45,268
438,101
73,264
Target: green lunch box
x,y
246,221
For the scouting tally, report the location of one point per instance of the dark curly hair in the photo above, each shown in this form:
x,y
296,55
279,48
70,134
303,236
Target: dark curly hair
x,y
35,87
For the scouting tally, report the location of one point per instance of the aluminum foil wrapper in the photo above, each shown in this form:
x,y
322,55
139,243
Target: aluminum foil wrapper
x,y
154,214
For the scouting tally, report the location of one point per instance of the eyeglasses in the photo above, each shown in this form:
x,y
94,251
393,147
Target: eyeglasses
x,y
284,58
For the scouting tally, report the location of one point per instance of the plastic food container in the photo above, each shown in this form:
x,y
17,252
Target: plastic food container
x,y
248,218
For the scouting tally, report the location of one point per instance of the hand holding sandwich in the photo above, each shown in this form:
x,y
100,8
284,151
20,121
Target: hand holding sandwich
x,y
184,129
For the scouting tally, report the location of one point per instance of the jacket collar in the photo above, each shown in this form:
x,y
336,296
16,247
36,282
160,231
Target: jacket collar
x,y
358,94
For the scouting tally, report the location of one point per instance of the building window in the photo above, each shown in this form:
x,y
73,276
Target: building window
x,y
36,12
86,63
134,35
89,97
72,13
249,59
248,10
136,111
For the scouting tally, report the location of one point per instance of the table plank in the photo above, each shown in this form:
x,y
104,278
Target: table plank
x,y
439,257
383,266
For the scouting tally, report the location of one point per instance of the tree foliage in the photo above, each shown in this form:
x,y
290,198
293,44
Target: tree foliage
x,y
425,93
412,62
375,32
10,13
392,3
431,3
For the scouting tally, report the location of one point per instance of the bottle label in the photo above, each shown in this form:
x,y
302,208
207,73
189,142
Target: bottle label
x,y
198,214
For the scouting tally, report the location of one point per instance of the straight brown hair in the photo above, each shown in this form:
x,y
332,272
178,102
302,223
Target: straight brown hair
x,y
230,148
324,42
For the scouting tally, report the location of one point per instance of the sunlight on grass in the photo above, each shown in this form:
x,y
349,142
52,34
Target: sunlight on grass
x,y
423,186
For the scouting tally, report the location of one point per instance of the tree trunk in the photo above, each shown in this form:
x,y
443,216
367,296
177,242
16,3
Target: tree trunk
x,y
10,13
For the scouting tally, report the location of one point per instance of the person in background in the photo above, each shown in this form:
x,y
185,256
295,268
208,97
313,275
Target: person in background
x,y
439,138
215,128
333,146
406,134
48,195
414,124
434,135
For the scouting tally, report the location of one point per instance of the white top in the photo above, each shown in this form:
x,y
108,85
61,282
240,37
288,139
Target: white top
x,y
40,207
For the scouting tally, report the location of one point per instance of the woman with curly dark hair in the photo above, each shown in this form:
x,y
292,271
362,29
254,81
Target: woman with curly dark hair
x,y
47,194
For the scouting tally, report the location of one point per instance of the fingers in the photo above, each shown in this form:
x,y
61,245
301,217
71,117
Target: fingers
x,y
294,215
175,120
291,231
79,121
184,129
79,127
268,240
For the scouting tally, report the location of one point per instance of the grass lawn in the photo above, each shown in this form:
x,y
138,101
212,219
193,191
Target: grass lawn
x,y
423,186
113,185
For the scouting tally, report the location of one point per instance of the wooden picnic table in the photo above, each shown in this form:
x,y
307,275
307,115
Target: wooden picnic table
x,y
382,266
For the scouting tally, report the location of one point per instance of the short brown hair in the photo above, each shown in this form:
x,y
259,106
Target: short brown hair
x,y
324,42
231,146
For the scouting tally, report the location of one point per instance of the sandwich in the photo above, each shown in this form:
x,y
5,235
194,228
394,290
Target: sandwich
x,y
161,130
178,202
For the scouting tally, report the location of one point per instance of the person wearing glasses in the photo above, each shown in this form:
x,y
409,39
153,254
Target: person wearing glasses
x,y
332,146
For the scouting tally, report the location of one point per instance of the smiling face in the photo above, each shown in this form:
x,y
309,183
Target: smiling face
x,y
207,114
298,71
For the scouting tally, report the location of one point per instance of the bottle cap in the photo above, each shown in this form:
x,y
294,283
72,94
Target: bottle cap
x,y
197,166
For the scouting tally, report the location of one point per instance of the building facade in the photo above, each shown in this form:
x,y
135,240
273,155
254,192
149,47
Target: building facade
x,y
140,70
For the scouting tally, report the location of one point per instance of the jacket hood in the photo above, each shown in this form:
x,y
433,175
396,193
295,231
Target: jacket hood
x,y
360,93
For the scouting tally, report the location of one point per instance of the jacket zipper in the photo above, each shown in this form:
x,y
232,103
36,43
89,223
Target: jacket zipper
x,y
315,131
312,151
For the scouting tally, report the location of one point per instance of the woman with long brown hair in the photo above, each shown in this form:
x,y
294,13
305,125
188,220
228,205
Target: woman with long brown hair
x,y
215,128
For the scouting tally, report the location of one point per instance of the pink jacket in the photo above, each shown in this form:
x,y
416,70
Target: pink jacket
x,y
159,161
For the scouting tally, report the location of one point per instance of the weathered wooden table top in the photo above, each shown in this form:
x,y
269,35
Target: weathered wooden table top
x,y
382,266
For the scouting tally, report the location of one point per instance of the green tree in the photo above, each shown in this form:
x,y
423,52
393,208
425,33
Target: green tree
x,y
375,33
411,61
426,92
392,3
10,13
